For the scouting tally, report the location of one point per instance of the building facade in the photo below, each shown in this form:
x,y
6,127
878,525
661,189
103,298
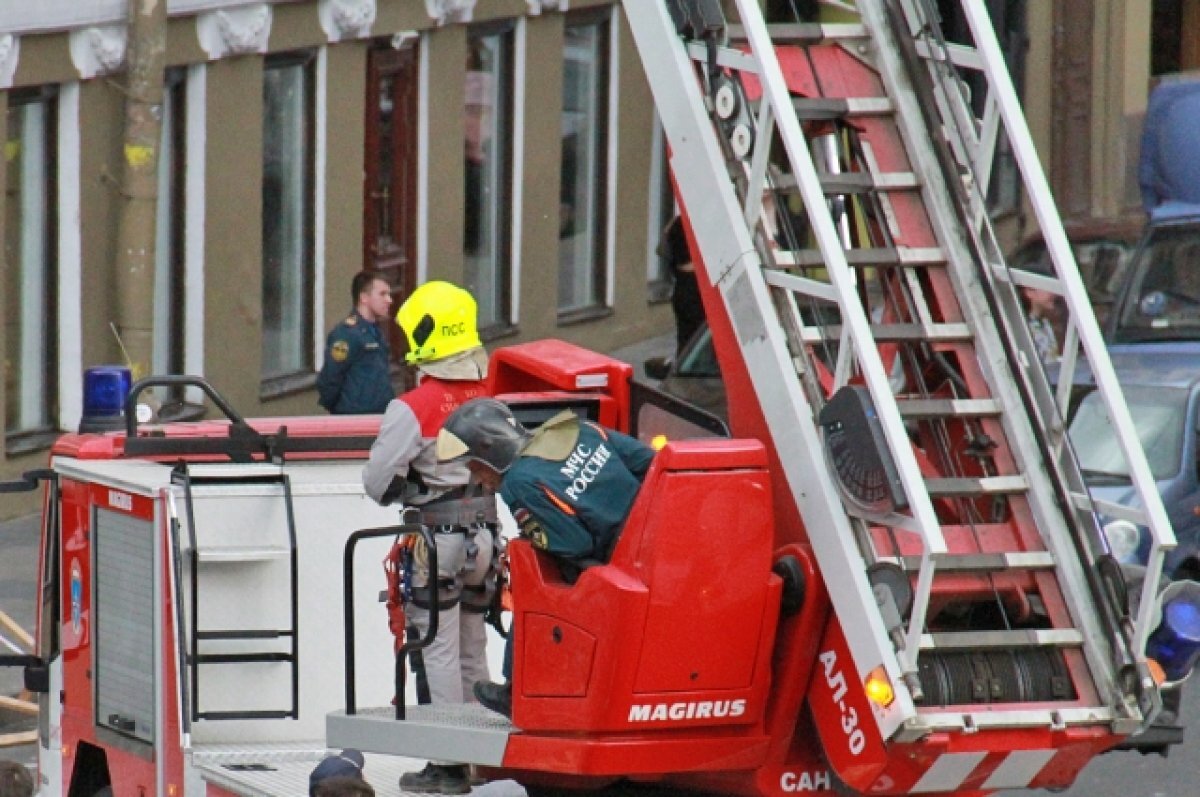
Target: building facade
x,y
507,145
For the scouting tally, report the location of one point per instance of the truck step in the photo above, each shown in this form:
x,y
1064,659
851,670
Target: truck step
x,y
265,633
242,658
228,554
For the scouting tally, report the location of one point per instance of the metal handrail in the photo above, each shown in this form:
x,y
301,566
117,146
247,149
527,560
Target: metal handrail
x,y
348,608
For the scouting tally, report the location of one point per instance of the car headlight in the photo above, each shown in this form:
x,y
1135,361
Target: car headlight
x,y
1124,539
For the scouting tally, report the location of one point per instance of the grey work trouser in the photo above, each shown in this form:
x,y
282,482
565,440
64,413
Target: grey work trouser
x,y
457,657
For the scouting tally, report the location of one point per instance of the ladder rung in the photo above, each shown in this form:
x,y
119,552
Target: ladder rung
x,y
803,33
968,488
242,553
245,715
264,633
1028,638
981,562
241,658
852,182
896,332
866,258
862,182
947,408
815,109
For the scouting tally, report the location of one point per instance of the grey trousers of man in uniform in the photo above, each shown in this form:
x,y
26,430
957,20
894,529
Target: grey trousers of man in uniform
x,y
457,657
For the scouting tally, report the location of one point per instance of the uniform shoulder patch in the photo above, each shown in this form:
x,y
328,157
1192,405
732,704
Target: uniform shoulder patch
x,y
351,321
339,351
531,529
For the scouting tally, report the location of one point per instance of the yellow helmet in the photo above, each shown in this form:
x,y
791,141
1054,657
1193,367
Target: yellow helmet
x,y
439,320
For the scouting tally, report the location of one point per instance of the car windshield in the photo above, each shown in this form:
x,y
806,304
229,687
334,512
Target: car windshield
x,y
1158,415
1163,302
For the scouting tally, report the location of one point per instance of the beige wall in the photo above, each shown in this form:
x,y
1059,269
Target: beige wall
x,y
232,164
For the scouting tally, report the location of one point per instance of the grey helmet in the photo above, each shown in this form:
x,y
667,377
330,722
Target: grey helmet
x,y
484,430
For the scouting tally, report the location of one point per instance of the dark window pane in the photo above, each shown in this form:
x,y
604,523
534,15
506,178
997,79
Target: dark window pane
x,y
488,174
287,219
30,313
581,277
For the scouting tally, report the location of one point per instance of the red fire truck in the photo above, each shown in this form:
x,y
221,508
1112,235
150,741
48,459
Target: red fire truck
x,y
891,580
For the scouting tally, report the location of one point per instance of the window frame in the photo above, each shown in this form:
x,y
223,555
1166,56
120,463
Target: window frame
x,y
303,377
19,441
503,208
602,19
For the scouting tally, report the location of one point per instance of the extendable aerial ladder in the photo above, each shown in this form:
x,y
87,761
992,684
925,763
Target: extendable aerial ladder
x,y
834,179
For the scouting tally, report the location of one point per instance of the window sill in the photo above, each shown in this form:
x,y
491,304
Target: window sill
x,y
16,443
498,331
582,315
287,385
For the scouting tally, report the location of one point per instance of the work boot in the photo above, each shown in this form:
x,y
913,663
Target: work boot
x,y
437,779
494,696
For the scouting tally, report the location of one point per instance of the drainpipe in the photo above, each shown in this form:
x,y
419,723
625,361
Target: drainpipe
x,y
139,182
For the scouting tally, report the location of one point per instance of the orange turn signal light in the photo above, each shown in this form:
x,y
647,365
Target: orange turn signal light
x,y
658,441
879,687
1156,671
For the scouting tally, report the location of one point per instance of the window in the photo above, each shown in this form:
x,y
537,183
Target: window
x,y
167,357
287,221
582,223
487,171
1174,36
30,317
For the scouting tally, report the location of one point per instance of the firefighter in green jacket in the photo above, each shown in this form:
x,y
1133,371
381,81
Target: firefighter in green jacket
x,y
570,485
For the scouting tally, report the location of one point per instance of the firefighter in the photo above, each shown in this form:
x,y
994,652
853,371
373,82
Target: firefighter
x,y
355,377
570,486
439,320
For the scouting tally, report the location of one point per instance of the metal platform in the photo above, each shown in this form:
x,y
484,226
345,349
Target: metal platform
x,y
270,771
475,734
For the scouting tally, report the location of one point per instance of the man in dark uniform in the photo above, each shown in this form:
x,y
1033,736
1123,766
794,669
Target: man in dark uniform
x,y
685,295
356,378
570,486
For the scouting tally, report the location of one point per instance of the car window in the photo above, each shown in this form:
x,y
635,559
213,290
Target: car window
x,y
1159,415
699,358
1164,296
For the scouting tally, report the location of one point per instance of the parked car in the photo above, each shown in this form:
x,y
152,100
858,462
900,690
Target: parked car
x,y
1103,251
1160,300
1161,383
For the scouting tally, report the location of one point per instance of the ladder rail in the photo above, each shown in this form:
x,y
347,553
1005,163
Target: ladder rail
x,y
734,266
1011,362
854,319
1075,295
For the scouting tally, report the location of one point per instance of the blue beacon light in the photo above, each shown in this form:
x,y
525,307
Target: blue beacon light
x,y
1175,644
105,388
